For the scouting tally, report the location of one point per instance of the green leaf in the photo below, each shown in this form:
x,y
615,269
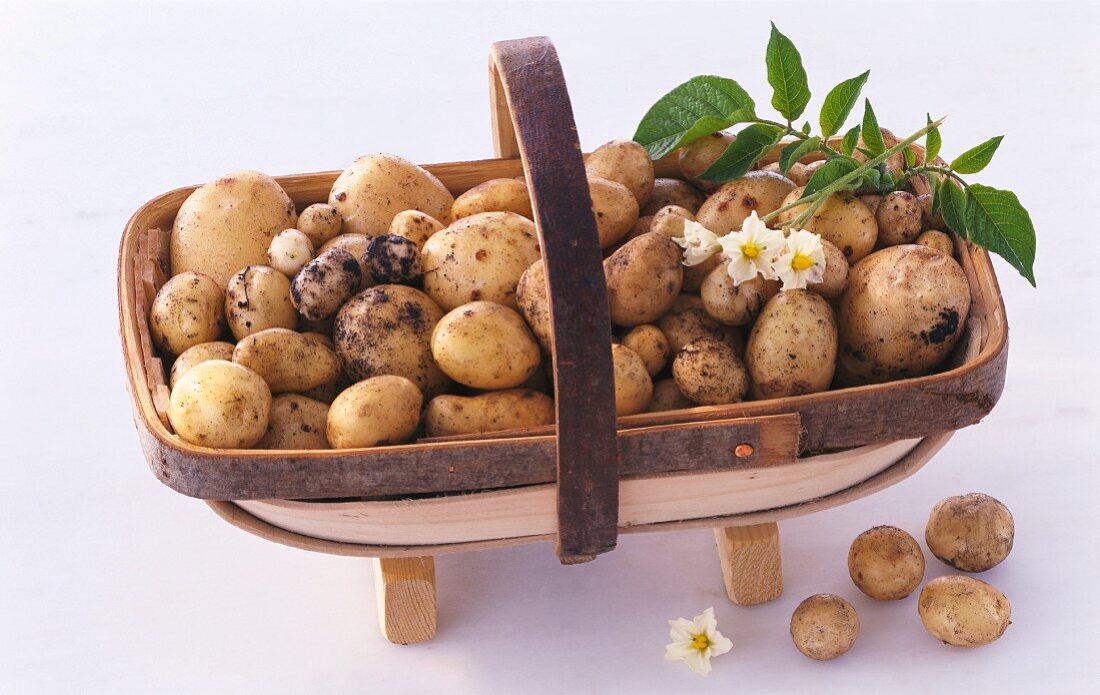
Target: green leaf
x,y
999,222
953,203
750,145
933,190
975,159
839,104
932,143
848,144
828,173
806,128
699,107
910,158
791,89
796,151
872,178
872,136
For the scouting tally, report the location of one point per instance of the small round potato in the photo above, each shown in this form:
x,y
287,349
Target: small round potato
x,y
534,304
643,279
415,226
324,284
672,192
687,321
488,412
633,385
495,195
824,626
387,329
669,221
667,396
485,345
296,422
792,347
288,361
726,209
835,280
258,297
625,162
189,309
376,187
480,257
935,239
709,372
842,219
196,354
963,611
699,155
650,344
379,411
615,208
320,222
289,251
972,533
732,305
898,218
886,563
221,405
393,260
356,245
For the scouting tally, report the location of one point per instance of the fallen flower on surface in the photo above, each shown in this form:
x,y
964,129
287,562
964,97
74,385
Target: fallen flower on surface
x,y
696,641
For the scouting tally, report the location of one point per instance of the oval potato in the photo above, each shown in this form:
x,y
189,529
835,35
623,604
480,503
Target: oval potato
x,y
196,354
843,220
189,309
296,423
963,611
792,347
650,343
615,208
378,411
672,192
534,304
643,279
258,297
488,412
625,162
729,304
320,222
485,345
375,187
709,372
287,360
415,226
495,195
221,405
697,157
633,385
728,207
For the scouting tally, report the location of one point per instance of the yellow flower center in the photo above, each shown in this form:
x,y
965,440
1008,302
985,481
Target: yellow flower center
x,y
750,250
800,262
700,641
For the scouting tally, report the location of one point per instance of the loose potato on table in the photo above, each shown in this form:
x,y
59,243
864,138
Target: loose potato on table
x,y
228,224
625,162
709,372
672,192
650,344
480,257
378,411
886,563
697,157
842,220
643,279
727,209
898,218
485,345
296,422
903,312
189,309
288,361
495,195
196,354
972,533
257,298
792,347
221,405
488,412
729,304
963,611
615,208
633,385
824,626
376,187
387,329
289,251
324,284
320,222
835,280
415,226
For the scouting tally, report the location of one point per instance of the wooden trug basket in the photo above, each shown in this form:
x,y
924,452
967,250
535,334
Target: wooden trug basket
x,y
736,468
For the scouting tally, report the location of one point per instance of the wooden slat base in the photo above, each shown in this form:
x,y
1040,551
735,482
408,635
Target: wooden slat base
x,y
751,567
405,591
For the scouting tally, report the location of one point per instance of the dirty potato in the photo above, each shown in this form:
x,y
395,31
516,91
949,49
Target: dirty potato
x,y
495,195
615,208
189,309
289,251
672,192
485,345
196,354
393,260
972,533
257,298
356,245
963,611
843,220
699,155
488,412
824,626
221,405
296,422
898,218
835,280
633,385
643,279
287,360
378,411
650,344
935,239
667,396
415,226
624,162
729,304
792,347
886,563
534,304
669,221
324,284
376,187
727,208
708,372
320,222
686,321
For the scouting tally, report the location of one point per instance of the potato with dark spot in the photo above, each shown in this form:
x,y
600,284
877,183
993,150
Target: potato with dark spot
x,y
972,533
886,563
488,412
378,411
708,372
534,303
667,396
643,279
729,304
824,626
672,192
495,195
324,284
289,251
686,321
905,308
320,222
669,221
296,423
356,245
792,347
699,155
935,239
651,345
963,611
415,226
843,220
221,405
387,329
189,309
835,280
633,385
480,257
625,162
288,361
393,260
615,209
727,208
376,187
196,354
485,345
898,218
258,297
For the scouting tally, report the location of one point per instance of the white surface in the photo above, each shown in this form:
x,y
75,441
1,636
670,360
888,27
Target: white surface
x,y
110,582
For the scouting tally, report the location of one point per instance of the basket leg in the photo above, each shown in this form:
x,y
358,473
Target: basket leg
x,y
405,591
751,568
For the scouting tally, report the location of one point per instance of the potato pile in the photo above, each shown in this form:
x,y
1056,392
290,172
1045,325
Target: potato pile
x,y
394,288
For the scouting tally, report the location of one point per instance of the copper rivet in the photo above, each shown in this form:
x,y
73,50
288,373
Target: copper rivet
x,y
743,451
450,469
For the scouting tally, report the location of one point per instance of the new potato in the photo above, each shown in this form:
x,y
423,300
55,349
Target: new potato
x,y
963,611
495,195
824,626
972,533
727,208
843,220
289,251
709,372
324,284
488,412
415,226
729,304
196,354
624,162
320,222
672,192
698,156
378,411
189,309
296,422
633,385
792,347
886,563
287,360
221,405
650,344
615,208
643,279
258,298
485,345
376,187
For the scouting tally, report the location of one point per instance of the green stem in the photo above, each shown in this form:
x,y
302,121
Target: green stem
x,y
946,171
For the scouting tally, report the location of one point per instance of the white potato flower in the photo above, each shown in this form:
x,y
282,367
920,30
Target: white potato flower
x,y
698,242
751,250
696,641
802,261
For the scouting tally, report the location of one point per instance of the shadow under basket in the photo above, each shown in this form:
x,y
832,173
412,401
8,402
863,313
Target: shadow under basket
x,y
736,468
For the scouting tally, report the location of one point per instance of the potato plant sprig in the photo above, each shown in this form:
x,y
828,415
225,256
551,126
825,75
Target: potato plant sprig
x,y
706,104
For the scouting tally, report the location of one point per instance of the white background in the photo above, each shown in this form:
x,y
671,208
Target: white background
x,y
110,582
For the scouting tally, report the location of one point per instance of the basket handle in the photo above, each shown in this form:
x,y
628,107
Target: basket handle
x,y
533,119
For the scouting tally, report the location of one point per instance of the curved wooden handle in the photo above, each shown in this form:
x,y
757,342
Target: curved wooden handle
x,y
533,119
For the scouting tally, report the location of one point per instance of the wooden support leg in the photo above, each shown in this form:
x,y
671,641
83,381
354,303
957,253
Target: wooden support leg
x,y
405,591
750,563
